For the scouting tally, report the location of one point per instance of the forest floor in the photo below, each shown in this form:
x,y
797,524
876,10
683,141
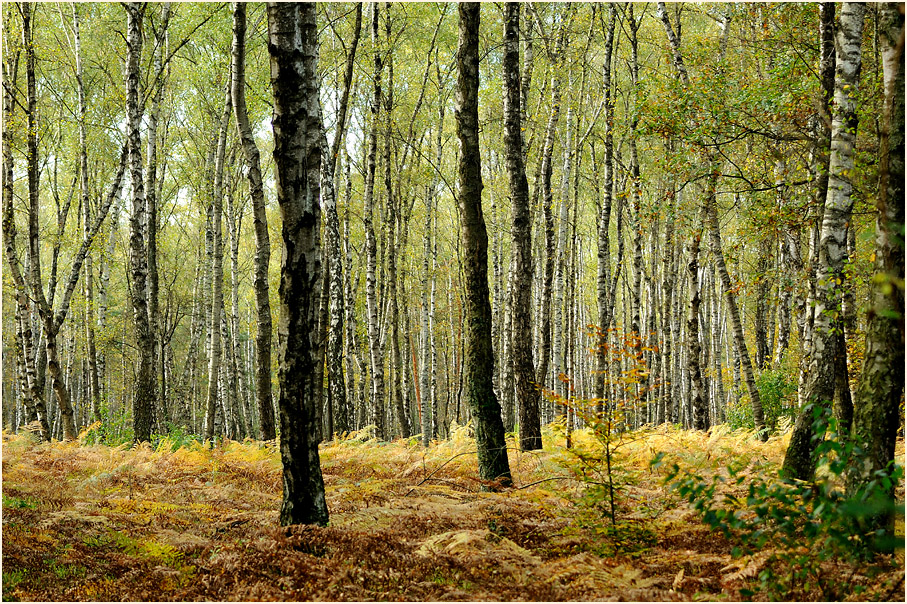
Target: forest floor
x,y
102,523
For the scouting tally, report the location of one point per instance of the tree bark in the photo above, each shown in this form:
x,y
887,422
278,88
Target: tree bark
x,y
881,383
293,46
479,362
93,385
820,158
33,397
144,395
376,355
799,460
151,203
603,285
217,272
260,226
527,394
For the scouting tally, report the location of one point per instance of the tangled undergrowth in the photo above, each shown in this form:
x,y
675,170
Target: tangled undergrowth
x,y
407,523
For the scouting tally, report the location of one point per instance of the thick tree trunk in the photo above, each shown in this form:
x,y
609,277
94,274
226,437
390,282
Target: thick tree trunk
x,y
479,362
527,394
882,381
260,223
293,46
799,460
143,401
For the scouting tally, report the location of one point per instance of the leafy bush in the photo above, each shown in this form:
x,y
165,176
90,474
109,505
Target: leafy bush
x,y
778,394
113,429
799,525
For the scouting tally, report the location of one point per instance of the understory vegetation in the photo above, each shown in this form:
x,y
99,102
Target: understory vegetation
x,y
185,520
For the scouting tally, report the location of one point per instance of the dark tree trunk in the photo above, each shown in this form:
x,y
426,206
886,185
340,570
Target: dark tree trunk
x,y
293,46
143,401
527,393
260,222
603,285
479,361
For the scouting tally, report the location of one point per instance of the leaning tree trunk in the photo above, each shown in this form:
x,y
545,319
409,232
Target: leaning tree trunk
x,y
33,397
882,381
799,461
293,46
521,241
479,358
260,223
746,366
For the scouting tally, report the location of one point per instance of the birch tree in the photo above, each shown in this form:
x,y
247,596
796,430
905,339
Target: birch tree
x,y
293,47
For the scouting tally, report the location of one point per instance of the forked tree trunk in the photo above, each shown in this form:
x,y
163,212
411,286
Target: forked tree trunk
x,y
293,46
33,397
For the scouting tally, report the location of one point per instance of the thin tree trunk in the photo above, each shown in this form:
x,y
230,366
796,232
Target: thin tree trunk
x,y
605,303
376,356
217,271
266,429
94,389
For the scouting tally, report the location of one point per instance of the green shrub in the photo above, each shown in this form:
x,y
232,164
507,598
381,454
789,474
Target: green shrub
x,y
804,523
778,394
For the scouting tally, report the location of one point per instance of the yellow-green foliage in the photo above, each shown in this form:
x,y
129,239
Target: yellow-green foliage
x,y
407,522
